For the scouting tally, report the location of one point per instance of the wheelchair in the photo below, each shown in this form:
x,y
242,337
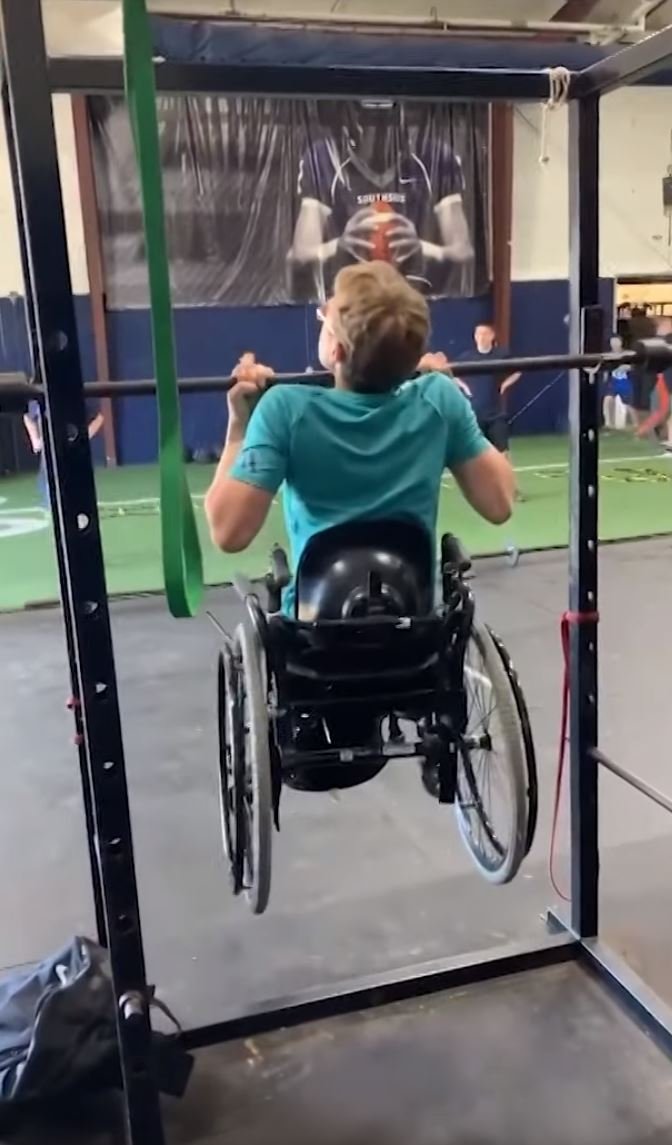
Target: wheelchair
x,y
318,701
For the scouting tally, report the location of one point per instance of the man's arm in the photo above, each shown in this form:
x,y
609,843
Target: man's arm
x,y
33,433
251,468
95,425
438,363
488,484
456,244
308,245
510,381
484,475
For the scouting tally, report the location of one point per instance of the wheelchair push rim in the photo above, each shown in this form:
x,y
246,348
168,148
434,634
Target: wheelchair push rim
x,y
256,794
230,766
491,797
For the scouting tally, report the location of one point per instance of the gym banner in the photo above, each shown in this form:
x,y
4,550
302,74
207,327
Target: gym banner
x,y
267,199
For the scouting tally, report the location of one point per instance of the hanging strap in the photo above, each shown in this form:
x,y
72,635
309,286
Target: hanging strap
x,y
558,94
181,550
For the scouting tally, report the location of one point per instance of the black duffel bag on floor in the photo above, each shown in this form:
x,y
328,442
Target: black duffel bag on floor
x,y
58,1030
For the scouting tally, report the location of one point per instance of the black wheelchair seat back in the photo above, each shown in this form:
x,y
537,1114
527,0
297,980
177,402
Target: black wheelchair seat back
x,y
366,569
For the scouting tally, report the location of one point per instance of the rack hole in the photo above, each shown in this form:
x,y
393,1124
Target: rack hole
x,y
591,491
71,432
591,546
82,522
90,607
101,688
58,341
591,435
114,847
591,597
124,923
109,765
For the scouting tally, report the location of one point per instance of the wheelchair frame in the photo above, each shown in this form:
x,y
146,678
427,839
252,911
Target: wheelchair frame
x,y
435,697
30,80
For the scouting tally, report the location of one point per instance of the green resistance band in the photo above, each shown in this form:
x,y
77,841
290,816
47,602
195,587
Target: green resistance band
x,y
181,550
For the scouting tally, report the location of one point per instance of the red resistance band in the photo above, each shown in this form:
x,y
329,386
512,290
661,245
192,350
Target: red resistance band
x,y
567,620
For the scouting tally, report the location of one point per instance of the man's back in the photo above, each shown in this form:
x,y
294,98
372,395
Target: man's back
x,y
345,455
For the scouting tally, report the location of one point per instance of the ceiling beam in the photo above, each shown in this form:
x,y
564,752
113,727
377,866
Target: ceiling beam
x,y
574,11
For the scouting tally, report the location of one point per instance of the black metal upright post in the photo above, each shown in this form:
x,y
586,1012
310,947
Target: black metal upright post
x,y
585,334
73,498
87,794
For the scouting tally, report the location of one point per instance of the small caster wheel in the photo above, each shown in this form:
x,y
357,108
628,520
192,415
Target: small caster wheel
x,y
512,555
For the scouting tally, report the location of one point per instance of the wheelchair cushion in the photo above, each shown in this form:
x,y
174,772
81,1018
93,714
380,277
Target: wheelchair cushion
x,y
366,568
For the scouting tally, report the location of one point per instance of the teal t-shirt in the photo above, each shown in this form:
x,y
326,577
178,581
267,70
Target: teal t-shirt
x,y
344,456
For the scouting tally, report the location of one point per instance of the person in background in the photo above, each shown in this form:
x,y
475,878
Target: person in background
x,y
665,331
488,390
657,420
617,411
32,421
643,380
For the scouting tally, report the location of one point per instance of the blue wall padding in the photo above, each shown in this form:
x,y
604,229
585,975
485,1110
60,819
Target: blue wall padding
x,y
210,340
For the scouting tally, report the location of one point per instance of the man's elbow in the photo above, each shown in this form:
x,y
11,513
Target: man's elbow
x,y
228,538
225,533
501,510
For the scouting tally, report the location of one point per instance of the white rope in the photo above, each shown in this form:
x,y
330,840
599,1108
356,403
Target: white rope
x,y
558,92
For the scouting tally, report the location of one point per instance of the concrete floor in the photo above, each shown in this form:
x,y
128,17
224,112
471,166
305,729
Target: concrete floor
x,y
373,879
547,1055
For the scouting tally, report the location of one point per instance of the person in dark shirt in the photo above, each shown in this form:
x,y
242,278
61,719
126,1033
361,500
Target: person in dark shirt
x,y
372,197
32,421
488,390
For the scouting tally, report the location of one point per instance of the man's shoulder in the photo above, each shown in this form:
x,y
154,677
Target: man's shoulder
x,y
438,390
291,397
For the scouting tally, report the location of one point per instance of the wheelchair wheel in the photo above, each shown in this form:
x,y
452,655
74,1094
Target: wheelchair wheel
x,y
530,754
491,796
257,802
230,765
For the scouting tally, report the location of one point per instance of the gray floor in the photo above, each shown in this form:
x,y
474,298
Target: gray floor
x,y
375,878
546,1056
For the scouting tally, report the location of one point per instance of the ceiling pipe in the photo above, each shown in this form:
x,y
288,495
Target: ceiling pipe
x,y
434,25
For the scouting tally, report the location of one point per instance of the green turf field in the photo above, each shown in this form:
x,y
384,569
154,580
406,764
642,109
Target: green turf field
x,y
635,500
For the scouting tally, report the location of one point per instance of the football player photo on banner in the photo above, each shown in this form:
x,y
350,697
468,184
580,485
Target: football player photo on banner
x,y
383,190
266,200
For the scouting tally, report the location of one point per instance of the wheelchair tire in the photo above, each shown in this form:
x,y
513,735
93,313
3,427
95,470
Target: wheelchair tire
x,y
231,764
530,754
257,786
497,862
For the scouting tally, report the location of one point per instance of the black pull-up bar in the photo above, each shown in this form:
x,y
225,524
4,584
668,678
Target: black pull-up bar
x,y
652,354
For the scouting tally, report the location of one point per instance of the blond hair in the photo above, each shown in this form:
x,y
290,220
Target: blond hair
x,y
381,322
